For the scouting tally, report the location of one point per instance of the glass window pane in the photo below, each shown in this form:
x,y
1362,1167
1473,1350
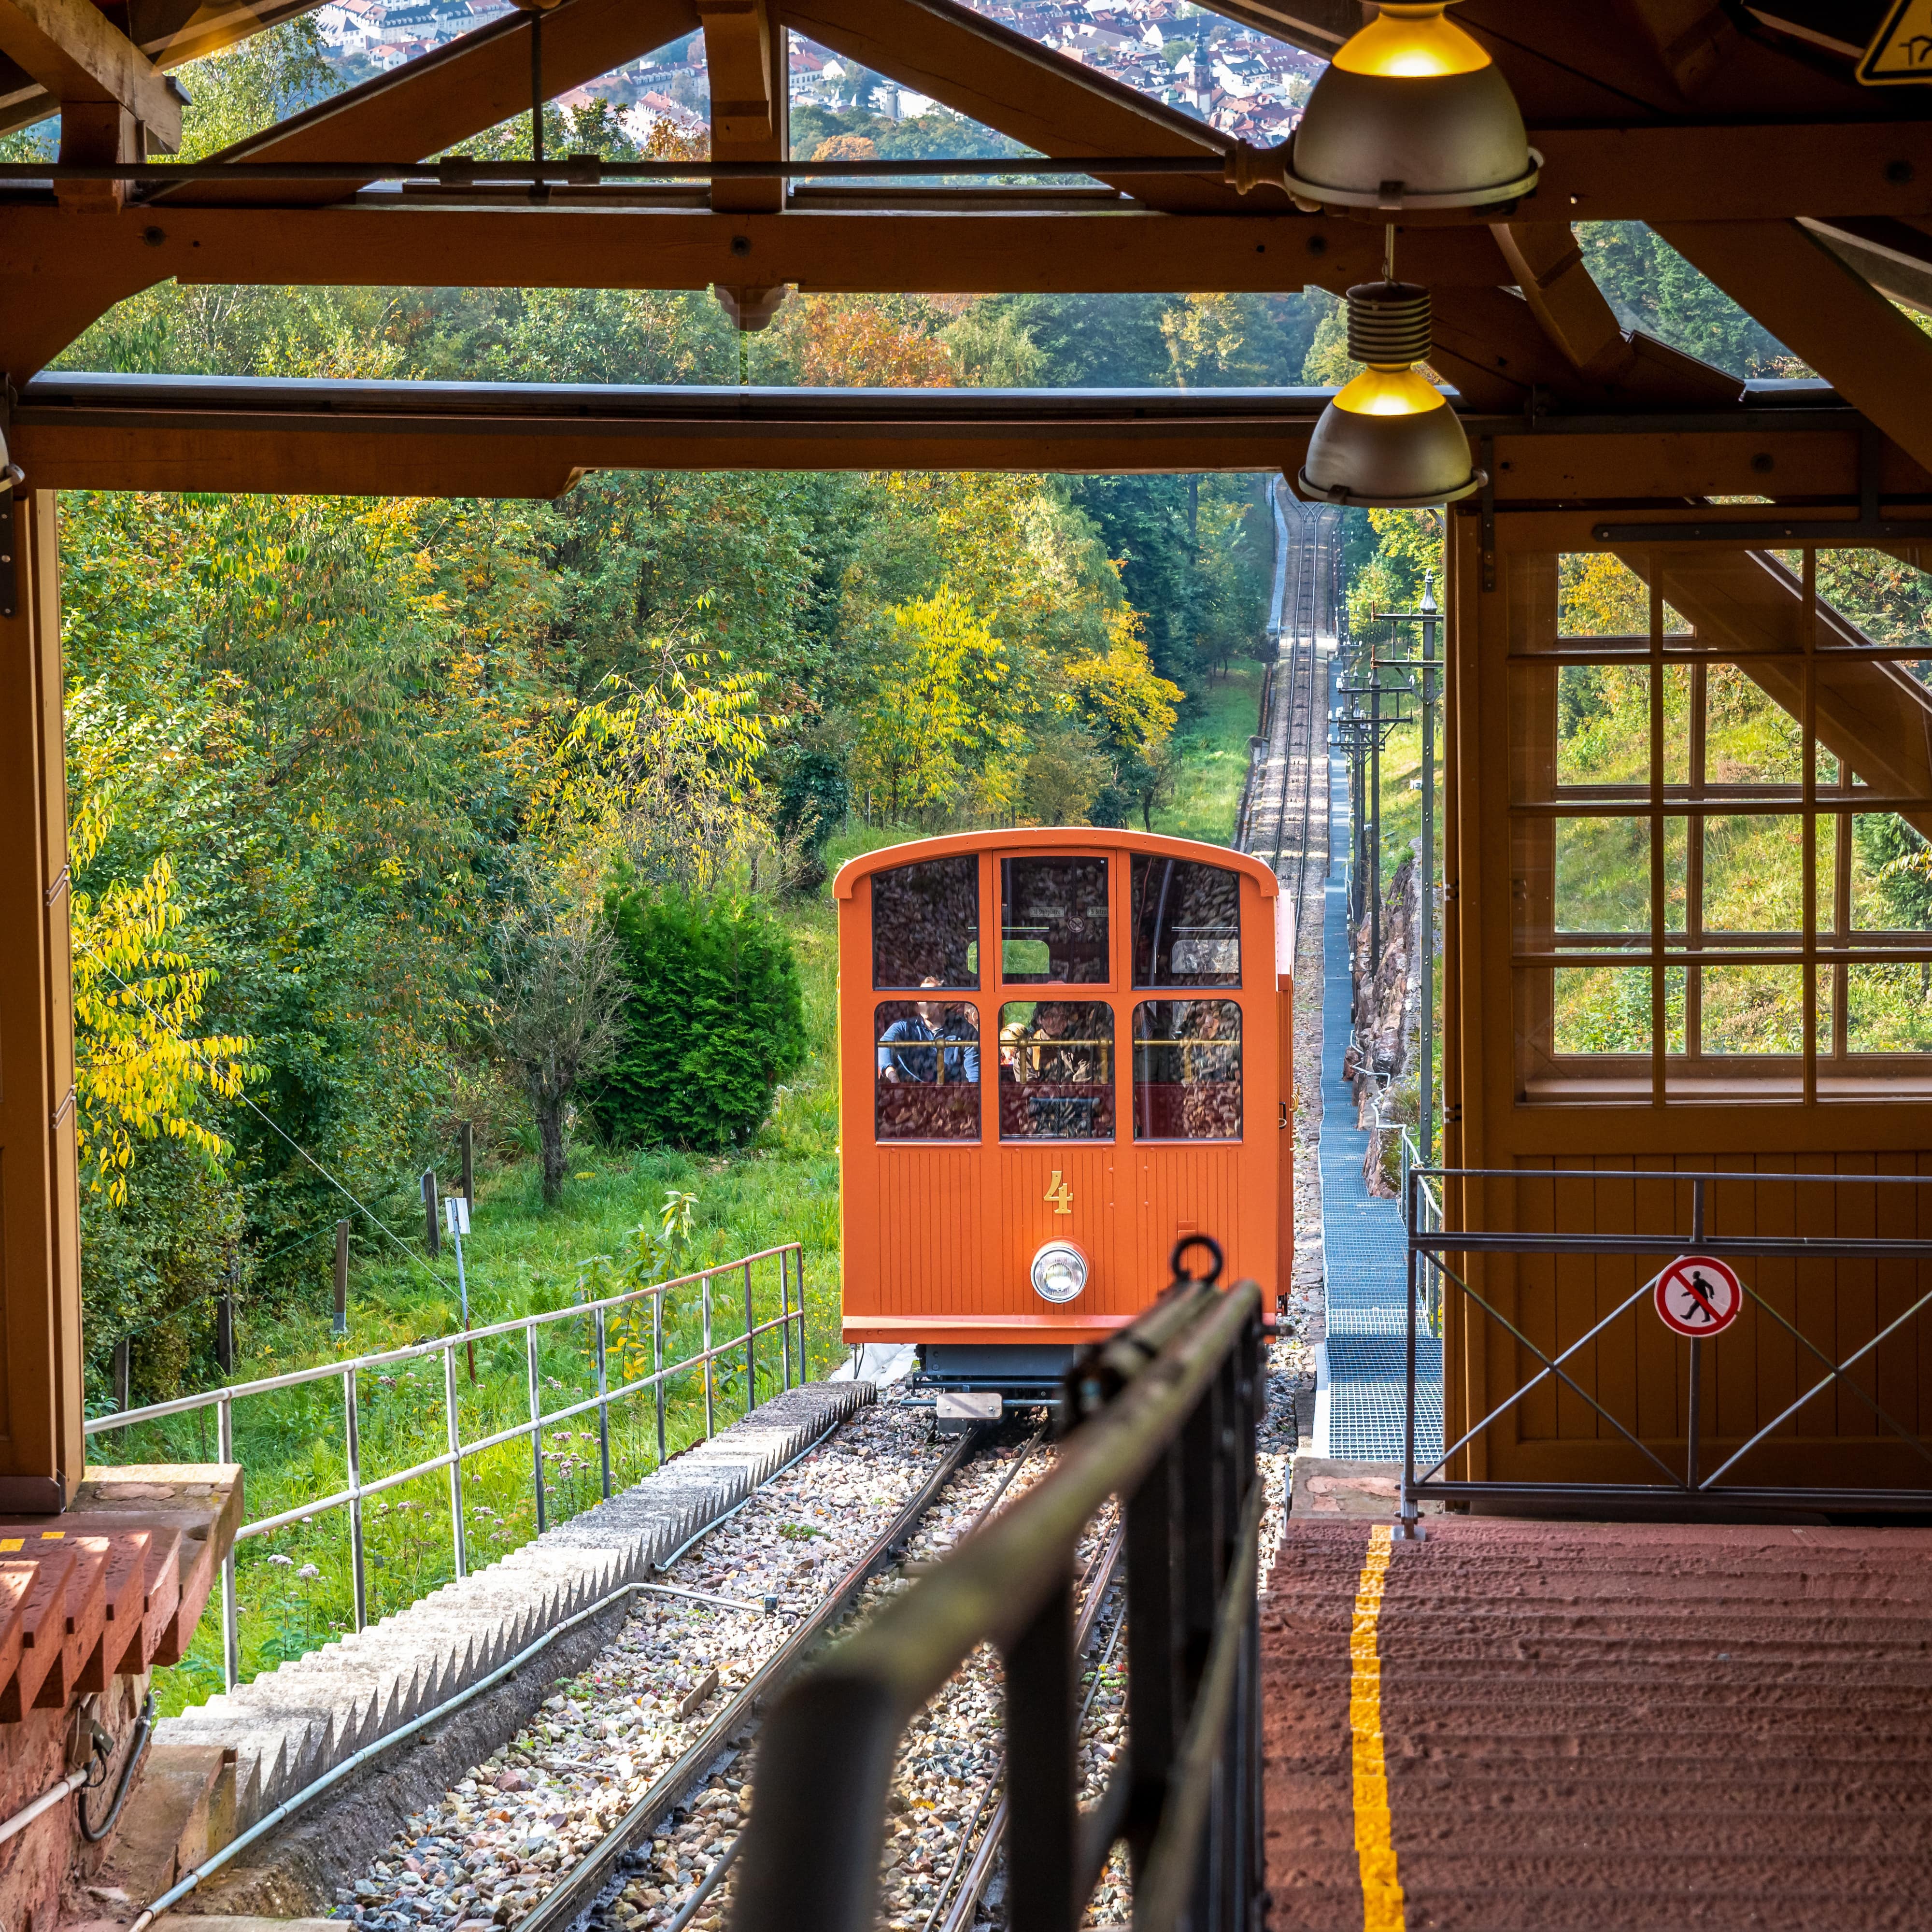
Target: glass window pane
x,y
1057,1070
1599,595
1603,876
926,924
1187,1070
1876,596
1889,1008
1891,875
1602,1009
1754,873
1602,724
926,1070
1187,923
1053,921
1750,737
1753,1010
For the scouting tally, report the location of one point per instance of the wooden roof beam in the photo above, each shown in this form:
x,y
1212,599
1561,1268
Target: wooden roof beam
x,y
1574,314
55,290
72,49
745,55
1877,359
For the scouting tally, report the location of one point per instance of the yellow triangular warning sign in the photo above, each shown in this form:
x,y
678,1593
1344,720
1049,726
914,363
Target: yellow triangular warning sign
x,y
1901,50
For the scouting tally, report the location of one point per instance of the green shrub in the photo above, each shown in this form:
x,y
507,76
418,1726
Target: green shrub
x,y
715,1021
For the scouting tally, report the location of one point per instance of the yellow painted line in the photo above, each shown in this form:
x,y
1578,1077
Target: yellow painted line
x,y
1374,1848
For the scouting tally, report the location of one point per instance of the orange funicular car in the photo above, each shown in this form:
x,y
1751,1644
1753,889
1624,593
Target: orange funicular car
x,y
1060,1052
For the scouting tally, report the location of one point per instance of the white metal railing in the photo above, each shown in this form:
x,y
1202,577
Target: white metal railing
x,y
790,1256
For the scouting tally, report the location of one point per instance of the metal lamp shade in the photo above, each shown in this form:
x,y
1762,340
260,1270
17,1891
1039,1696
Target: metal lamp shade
x,y
1381,445
1411,140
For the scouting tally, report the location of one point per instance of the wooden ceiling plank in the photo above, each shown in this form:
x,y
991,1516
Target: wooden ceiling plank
x,y
72,49
463,88
1826,312
992,75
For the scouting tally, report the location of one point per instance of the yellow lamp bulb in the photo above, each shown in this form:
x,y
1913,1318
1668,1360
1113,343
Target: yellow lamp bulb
x,y
1412,42
1379,392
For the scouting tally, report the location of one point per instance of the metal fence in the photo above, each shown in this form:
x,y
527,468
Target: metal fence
x,y
790,1258
1165,1415
1692,1489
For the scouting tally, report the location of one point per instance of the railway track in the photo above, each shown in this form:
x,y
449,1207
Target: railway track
x,y
617,1809
1307,590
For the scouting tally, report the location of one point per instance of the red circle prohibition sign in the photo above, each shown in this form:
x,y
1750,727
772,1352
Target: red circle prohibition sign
x,y
1697,1295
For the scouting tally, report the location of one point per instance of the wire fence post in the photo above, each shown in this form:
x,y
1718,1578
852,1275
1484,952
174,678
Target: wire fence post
x,y
750,1348
458,1541
432,1220
705,1299
603,1406
536,1425
231,1615
340,1325
784,1312
352,1444
657,1367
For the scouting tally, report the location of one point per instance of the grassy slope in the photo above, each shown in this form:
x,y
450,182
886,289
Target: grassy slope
x,y
1213,758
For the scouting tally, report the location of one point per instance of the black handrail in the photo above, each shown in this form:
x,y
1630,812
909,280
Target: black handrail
x,y
1163,1416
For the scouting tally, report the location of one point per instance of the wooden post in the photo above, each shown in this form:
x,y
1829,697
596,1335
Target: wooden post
x,y
432,1216
42,1450
123,1376
467,1143
341,1326
224,1331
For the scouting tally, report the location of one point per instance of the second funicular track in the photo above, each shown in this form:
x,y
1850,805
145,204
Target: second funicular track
x,y
1304,623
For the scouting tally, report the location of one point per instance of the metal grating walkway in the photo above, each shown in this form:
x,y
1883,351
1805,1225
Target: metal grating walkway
x,y
1364,1263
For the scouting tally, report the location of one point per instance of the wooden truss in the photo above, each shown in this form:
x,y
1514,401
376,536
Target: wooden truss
x,y
1802,194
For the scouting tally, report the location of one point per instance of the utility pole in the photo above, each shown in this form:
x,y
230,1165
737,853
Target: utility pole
x,y
1426,613
1426,897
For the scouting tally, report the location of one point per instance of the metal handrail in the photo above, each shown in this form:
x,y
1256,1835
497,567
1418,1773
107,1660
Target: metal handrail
x,y
791,1258
1167,1415
1431,1245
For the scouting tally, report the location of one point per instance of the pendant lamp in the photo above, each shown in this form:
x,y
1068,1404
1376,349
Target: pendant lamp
x,y
1411,113
1389,441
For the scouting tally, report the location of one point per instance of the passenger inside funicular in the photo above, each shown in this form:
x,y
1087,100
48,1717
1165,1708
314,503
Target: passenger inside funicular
x,y
926,921
1187,1052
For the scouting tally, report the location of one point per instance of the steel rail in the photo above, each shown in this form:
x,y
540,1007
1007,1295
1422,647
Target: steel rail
x,y
578,1889
959,1907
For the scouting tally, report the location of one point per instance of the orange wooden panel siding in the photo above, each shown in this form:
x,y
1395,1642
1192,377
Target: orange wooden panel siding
x,y
939,1235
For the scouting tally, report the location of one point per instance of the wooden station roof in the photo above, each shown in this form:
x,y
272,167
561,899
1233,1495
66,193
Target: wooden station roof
x,y
1740,132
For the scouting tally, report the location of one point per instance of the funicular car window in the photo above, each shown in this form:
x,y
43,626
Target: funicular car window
x,y
1053,921
1057,1070
925,1078
1187,923
1187,1070
926,924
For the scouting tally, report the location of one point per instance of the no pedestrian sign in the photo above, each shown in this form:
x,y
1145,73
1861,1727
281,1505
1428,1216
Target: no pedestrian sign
x,y
1697,1296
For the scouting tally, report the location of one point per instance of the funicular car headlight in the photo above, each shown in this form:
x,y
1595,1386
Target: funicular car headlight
x,y
1059,1271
